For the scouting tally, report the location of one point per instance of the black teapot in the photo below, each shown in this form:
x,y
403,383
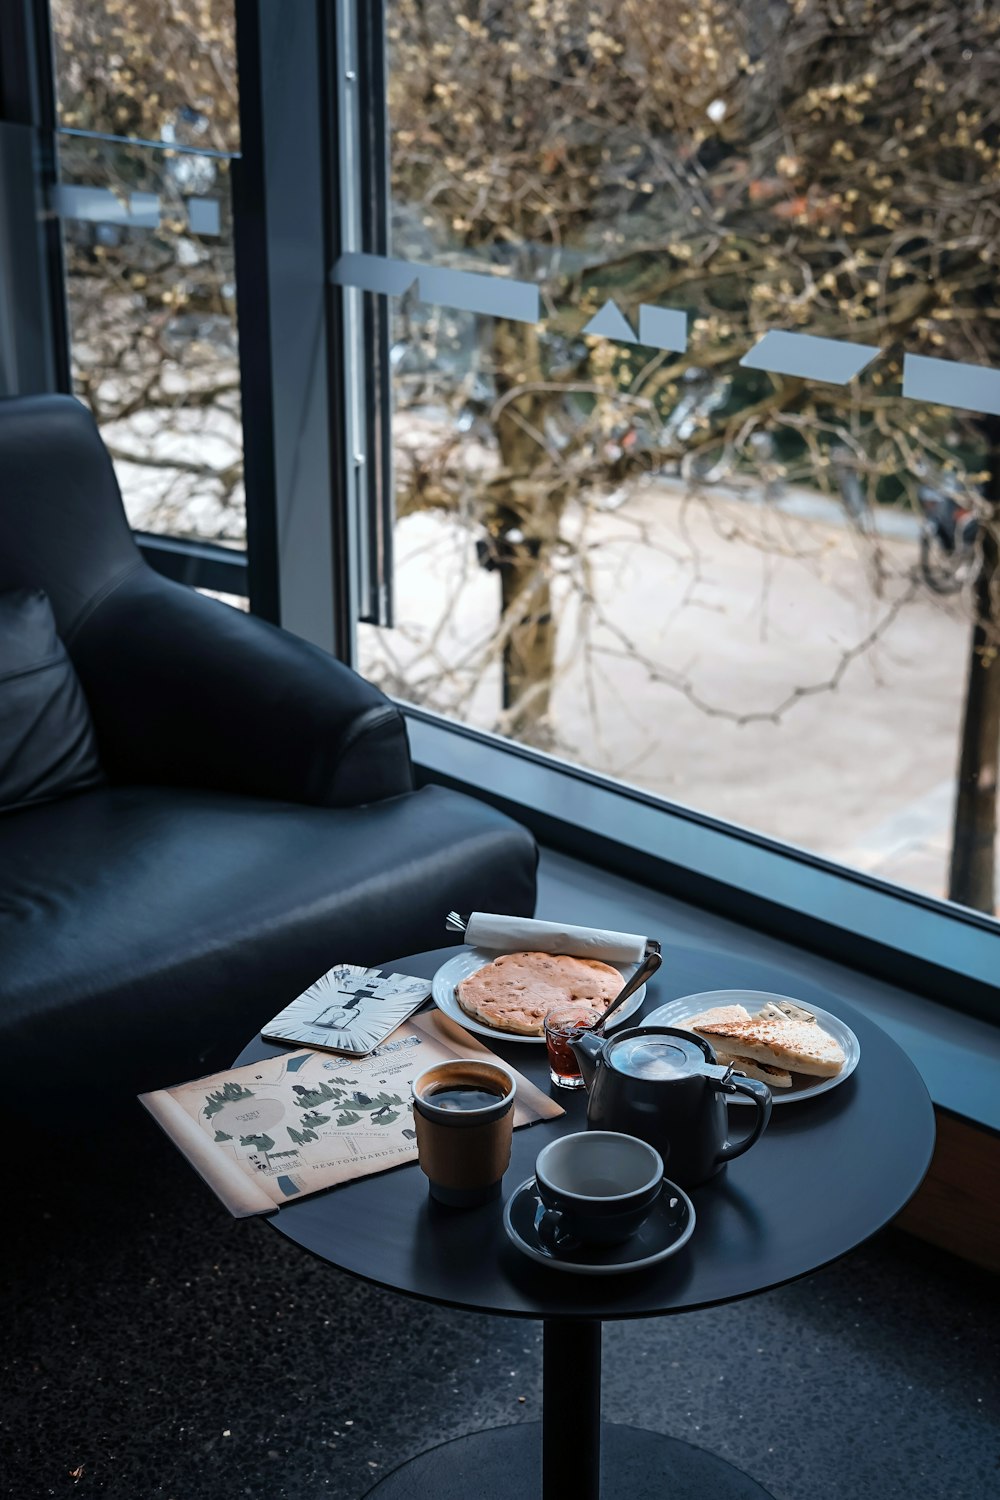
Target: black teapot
x,y
665,1086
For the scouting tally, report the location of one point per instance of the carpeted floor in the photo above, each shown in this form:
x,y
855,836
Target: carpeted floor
x,y
151,1346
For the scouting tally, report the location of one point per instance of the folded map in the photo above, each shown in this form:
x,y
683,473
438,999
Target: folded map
x,y
272,1131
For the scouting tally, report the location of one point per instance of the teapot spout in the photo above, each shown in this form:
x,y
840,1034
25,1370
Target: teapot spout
x,y
587,1049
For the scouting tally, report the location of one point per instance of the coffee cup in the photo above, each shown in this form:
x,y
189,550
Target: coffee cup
x,y
463,1114
597,1186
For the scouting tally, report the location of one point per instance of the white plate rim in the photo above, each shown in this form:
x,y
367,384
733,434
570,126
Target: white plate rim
x,y
462,964
690,1005
580,1270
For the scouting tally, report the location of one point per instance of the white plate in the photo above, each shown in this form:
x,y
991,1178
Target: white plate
x,y
803,1086
470,959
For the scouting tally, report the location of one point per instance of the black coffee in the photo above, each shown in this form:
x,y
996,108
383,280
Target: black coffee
x,y
463,1096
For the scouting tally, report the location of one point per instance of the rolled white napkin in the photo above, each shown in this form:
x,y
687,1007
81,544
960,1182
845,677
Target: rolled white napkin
x,y
515,934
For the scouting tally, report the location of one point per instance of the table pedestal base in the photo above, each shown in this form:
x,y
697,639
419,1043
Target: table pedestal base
x,y
507,1461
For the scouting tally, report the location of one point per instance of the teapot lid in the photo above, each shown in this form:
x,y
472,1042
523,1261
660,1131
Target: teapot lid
x,y
656,1057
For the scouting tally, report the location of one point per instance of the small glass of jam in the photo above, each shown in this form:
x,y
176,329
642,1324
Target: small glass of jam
x,y
561,1026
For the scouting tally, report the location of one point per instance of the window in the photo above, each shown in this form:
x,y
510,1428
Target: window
x,y
147,110
695,407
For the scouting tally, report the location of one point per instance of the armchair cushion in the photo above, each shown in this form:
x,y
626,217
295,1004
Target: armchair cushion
x,y
47,744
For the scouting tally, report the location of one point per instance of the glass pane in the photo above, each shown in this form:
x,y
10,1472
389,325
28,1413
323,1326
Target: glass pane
x,y
710,521
152,304
148,68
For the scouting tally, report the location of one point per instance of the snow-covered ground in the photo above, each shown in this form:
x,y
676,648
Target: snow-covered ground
x,y
716,610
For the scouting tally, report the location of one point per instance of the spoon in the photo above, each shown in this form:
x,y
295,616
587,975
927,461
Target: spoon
x,y
649,966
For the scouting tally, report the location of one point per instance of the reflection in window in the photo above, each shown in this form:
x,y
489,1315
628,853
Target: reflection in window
x,y
753,590
148,68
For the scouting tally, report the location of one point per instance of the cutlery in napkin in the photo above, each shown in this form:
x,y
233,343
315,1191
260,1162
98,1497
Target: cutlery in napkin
x,y
486,929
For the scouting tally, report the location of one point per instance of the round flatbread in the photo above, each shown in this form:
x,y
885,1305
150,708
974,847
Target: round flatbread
x,y
516,991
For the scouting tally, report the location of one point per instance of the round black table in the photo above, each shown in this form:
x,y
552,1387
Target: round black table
x,y
828,1173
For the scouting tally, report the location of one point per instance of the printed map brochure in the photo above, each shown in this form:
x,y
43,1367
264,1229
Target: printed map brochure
x,y
273,1131
350,1009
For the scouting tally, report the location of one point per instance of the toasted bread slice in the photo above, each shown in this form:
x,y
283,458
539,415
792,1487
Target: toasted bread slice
x,y
722,1014
776,1078
775,1040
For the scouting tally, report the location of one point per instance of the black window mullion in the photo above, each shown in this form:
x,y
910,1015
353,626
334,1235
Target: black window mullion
x,y
377,609
337,372
31,255
250,243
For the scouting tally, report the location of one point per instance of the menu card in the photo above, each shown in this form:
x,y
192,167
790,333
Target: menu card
x,y
349,1009
270,1132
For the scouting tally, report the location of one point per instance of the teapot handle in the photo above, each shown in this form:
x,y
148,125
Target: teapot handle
x,y
759,1092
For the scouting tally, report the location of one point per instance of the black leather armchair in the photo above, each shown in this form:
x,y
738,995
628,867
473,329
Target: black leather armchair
x,y
258,822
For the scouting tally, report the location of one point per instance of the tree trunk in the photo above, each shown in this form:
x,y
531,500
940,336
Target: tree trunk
x,y
973,856
524,525
529,653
